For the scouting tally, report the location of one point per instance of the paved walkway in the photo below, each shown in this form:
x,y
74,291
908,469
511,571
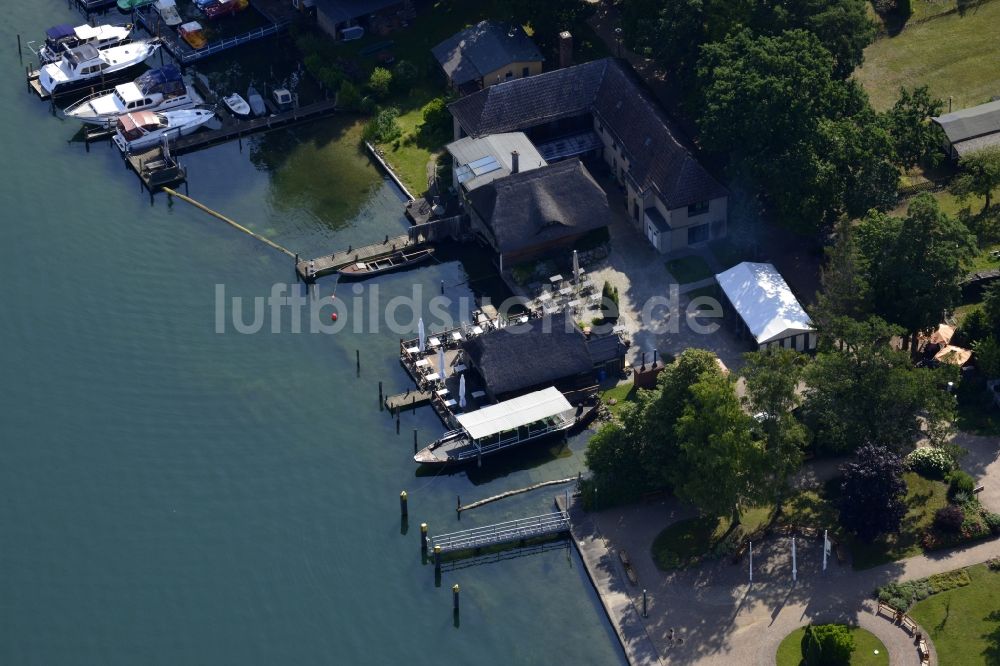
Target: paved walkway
x,y
713,615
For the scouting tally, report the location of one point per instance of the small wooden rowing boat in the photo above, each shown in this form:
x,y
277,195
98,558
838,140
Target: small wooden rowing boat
x,y
390,262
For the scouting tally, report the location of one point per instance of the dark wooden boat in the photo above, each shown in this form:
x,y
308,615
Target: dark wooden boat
x,y
386,263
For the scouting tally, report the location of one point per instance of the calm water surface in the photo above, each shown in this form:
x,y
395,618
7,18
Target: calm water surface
x,y
170,495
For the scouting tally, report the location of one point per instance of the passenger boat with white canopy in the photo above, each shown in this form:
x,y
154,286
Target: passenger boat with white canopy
x,y
501,426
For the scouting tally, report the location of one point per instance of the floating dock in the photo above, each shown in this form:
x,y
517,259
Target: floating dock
x,y
510,532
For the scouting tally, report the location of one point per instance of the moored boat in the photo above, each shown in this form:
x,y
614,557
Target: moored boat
x,y
128,6
62,38
84,65
237,105
219,8
167,9
256,102
488,430
145,129
158,89
391,262
192,33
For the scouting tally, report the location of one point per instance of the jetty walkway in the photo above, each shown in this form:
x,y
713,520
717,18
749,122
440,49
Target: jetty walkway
x,y
511,531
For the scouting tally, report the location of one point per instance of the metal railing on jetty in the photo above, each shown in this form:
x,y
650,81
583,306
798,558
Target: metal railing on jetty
x,y
512,531
183,52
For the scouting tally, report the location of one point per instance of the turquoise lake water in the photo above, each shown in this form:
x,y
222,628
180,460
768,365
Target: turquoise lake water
x,y
172,495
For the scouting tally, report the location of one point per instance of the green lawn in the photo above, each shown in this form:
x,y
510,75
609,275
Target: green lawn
x,y
409,156
865,645
685,542
817,508
955,55
689,269
622,394
923,497
964,623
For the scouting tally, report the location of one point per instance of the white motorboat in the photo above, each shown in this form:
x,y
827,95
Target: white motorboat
x,y
256,102
237,105
145,129
85,65
167,9
62,38
159,89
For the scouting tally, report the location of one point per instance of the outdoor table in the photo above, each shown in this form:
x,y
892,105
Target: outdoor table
x,y
477,330
460,367
442,392
566,291
433,377
456,336
523,319
478,394
422,363
450,403
556,279
433,342
546,296
575,304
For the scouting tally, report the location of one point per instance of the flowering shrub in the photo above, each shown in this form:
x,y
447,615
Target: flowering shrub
x,y
930,462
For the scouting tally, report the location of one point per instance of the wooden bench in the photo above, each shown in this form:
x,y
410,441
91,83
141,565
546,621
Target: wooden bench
x,y
627,563
888,610
907,623
924,652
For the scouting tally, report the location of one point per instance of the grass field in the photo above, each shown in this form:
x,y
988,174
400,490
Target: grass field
x,y
685,542
865,645
622,394
689,269
923,498
955,55
964,623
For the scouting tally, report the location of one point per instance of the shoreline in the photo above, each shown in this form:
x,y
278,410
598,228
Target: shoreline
x,y
599,562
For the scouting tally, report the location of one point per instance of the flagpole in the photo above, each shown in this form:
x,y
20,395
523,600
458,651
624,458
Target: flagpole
x,y
795,571
826,548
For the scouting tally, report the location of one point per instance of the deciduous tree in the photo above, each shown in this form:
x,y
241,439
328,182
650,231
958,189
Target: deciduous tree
x,y
980,175
872,493
860,390
913,265
916,139
721,469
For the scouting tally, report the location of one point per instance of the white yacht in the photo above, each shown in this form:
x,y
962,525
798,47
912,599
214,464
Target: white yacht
x,y
86,65
61,38
159,89
145,129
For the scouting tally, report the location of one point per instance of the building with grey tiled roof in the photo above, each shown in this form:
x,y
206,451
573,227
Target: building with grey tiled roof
x,y
601,108
972,129
487,53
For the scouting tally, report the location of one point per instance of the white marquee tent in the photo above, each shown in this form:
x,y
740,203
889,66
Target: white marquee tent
x,y
771,313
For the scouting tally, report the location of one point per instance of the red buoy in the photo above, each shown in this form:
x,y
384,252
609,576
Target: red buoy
x,y
333,317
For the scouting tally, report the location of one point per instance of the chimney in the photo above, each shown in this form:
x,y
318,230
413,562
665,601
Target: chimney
x,y
565,49
654,357
514,167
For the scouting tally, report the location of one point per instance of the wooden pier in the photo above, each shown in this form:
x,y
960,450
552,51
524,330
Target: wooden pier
x,y
331,263
155,169
510,532
185,55
234,128
408,400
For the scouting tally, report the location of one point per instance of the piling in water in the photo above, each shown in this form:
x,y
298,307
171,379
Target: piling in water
x,y
454,597
423,538
402,504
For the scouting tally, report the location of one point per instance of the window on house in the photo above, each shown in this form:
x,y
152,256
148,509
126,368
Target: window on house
x,y
699,208
525,72
509,75
698,234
